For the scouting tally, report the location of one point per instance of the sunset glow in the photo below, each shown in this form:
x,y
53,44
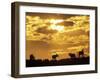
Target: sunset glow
x,y
53,21
57,27
46,32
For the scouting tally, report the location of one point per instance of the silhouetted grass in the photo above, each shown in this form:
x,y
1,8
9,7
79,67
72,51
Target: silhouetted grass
x,y
46,62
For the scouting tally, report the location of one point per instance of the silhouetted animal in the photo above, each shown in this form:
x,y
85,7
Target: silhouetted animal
x,y
81,53
72,55
55,56
32,57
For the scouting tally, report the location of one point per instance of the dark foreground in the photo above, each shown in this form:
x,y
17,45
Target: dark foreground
x,y
46,62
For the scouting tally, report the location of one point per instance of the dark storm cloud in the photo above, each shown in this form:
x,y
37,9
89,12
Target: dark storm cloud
x,y
44,30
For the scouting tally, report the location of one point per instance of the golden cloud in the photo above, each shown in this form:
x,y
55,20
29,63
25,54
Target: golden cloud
x,y
73,36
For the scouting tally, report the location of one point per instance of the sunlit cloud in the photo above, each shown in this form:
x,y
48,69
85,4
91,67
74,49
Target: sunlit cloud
x,y
70,32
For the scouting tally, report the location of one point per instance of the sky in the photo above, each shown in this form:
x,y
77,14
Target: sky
x,y
50,33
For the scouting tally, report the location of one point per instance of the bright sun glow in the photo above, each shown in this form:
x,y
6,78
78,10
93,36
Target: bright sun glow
x,y
57,27
56,21
54,52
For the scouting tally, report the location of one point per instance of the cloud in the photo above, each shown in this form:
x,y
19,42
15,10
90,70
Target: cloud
x,y
74,36
66,23
46,39
40,49
36,34
44,30
76,33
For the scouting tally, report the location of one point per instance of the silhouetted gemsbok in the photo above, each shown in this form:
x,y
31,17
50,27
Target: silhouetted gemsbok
x,y
81,53
32,57
55,56
72,55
